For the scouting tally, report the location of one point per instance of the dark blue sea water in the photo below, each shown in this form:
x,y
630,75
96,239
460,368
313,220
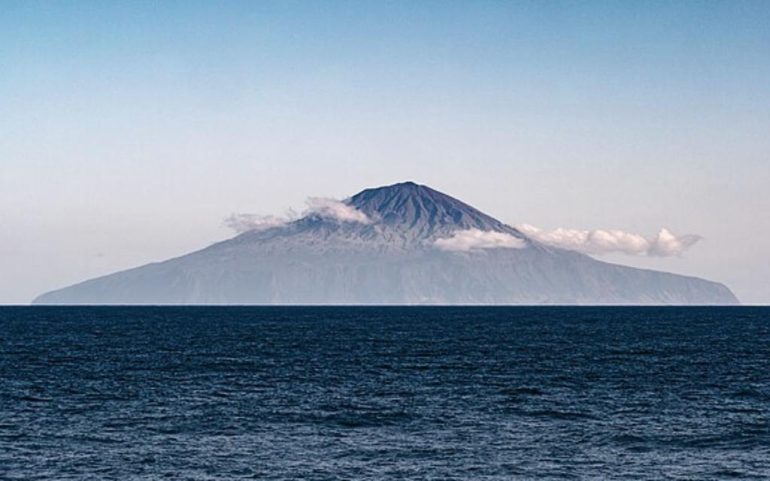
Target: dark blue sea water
x,y
384,393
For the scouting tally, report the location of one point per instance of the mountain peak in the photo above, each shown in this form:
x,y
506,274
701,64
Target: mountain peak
x,y
422,210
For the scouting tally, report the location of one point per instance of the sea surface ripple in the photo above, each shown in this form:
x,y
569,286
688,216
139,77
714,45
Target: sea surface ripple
x,y
384,393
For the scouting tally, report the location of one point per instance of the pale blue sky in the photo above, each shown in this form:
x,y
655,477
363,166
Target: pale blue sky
x,y
129,130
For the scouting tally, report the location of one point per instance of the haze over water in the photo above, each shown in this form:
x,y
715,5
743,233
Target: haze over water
x,y
384,393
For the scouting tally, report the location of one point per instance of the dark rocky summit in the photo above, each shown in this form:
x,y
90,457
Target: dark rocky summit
x,y
393,256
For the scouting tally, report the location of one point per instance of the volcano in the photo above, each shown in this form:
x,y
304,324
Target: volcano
x,y
400,244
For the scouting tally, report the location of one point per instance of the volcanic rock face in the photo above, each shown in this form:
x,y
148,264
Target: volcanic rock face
x,y
414,246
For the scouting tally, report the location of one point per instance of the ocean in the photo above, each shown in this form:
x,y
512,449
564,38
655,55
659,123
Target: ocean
x,y
384,393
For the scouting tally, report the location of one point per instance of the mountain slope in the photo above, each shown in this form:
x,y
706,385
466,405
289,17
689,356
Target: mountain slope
x,y
389,258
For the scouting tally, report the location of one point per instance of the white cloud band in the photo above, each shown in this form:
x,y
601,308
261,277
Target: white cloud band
x,y
599,242
476,240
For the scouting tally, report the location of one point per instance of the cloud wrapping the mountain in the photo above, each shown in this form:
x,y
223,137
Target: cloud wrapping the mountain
x,y
335,209
321,206
476,240
600,241
241,223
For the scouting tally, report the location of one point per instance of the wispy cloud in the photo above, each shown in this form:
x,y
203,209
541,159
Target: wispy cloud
x,y
320,206
335,209
253,222
476,240
601,241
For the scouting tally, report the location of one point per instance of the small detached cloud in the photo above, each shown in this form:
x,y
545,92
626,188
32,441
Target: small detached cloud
x,y
335,209
477,240
599,242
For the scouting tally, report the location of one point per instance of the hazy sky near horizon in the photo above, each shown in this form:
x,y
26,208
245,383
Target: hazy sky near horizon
x,y
130,130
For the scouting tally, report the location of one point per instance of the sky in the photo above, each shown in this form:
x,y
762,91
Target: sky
x,y
129,131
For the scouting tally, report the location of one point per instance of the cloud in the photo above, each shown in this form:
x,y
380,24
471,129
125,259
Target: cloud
x,y
250,222
667,244
320,206
599,242
334,209
475,240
